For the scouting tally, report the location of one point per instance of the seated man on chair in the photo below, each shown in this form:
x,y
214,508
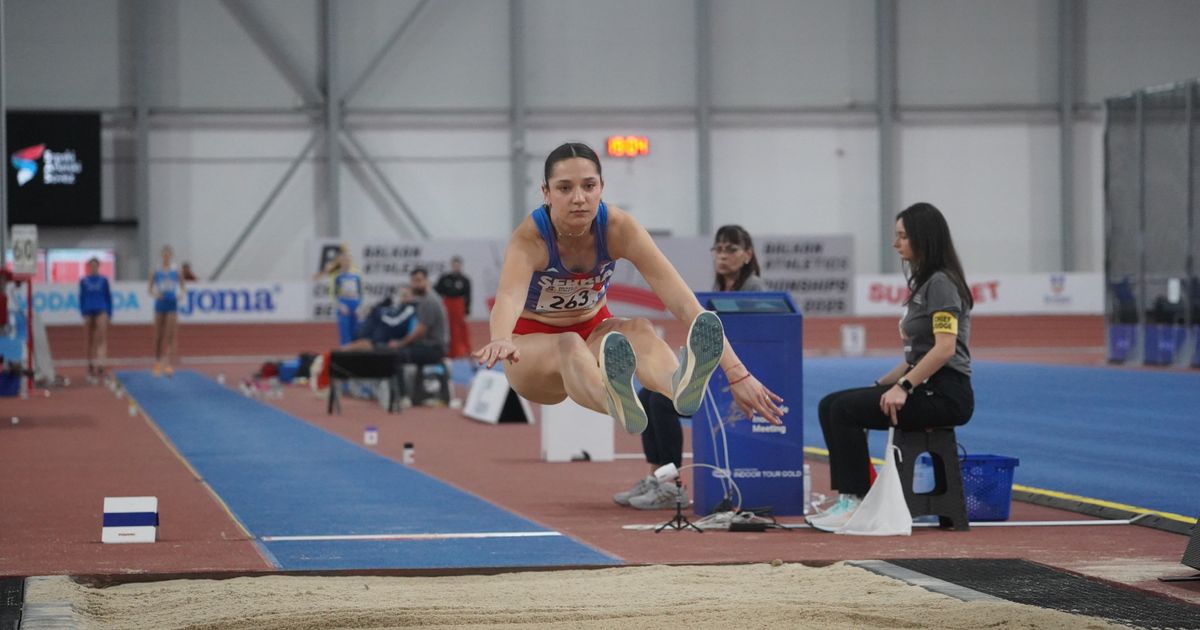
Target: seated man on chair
x,y
427,341
390,320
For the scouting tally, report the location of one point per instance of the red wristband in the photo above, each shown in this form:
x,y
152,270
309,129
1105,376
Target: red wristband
x,y
732,383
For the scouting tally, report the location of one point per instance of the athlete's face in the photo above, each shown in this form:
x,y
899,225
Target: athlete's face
x,y
93,267
573,193
901,244
166,254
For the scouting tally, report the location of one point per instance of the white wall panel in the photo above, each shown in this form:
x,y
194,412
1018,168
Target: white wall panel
x,y
1089,195
453,56
203,58
294,26
64,54
807,180
620,53
204,190
455,182
779,53
997,186
977,51
1132,45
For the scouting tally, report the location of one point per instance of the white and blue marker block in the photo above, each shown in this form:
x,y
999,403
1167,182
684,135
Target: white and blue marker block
x,y
130,520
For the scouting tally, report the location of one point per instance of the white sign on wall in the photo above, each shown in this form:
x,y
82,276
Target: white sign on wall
x,y
817,270
996,294
24,245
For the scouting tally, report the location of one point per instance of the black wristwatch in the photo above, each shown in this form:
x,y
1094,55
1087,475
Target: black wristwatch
x,y
905,384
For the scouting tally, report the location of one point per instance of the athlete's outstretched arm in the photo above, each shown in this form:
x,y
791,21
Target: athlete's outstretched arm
x,y
631,241
519,263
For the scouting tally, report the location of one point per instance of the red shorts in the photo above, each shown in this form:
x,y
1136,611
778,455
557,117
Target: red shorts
x,y
583,329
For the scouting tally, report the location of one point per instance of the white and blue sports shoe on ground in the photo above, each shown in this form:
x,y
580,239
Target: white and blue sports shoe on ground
x,y
617,365
705,345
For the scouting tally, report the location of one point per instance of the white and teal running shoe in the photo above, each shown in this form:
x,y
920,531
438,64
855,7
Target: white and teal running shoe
x,y
617,365
705,345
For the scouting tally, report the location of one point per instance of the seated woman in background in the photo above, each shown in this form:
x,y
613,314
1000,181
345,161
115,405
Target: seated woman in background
x,y
931,387
736,267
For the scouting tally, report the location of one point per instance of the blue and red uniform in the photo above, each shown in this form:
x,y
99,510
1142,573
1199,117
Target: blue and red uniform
x,y
556,289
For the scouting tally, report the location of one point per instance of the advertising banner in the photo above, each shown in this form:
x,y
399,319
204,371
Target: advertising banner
x,y
817,270
204,303
995,294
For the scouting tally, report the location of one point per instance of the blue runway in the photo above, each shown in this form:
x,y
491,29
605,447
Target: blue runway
x,y
281,476
1127,436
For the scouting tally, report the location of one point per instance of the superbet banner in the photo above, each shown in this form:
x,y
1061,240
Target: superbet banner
x,y
995,294
818,271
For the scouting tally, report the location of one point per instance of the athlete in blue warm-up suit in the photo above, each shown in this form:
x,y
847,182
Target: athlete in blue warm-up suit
x,y
96,306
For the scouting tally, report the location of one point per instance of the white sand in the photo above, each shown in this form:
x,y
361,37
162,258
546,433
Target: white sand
x,y
681,598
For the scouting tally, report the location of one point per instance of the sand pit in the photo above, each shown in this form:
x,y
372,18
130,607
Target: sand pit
x,y
685,598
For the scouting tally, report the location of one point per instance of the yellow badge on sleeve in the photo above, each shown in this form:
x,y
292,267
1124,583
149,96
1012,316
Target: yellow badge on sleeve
x,y
944,322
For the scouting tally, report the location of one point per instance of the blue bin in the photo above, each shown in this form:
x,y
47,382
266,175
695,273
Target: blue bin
x,y
1121,338
1196,350
987,486
1163,342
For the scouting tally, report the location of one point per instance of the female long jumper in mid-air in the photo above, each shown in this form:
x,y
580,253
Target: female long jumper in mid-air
x,y
551,323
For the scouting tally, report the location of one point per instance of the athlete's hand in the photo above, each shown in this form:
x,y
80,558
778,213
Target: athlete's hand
x,y
892,402
754,398
496,351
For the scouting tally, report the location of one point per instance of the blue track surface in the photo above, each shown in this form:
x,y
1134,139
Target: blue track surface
x,y
1129,436
281,476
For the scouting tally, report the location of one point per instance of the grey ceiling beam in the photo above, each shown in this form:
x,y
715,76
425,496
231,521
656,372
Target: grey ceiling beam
x,y
387,47
369,162
3,139
266,205
1067,93
518,122
333,123
266,43
704,115
141,131
885,103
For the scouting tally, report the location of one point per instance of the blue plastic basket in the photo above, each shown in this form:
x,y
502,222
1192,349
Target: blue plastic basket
x,y
987,486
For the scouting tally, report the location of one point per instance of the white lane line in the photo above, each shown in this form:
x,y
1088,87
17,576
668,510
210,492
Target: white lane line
x,y
410,536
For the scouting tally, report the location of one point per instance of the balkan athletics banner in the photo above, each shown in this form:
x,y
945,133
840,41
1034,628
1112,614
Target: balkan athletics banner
x,y
817,270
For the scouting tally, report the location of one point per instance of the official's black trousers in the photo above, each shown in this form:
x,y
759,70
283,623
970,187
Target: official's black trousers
x,y
945,400
662,440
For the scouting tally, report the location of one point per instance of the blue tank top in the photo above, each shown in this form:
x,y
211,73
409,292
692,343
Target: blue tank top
x,y
166,284
347,286
556,289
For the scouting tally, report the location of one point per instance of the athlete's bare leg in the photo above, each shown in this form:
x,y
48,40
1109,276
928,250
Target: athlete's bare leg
x,y
89,340
100,338
538,375
160,323
170,329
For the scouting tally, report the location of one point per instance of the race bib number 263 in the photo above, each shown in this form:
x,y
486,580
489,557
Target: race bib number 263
x,y
577,299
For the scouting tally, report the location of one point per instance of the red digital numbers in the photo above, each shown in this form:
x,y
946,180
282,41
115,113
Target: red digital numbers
x,y
628,146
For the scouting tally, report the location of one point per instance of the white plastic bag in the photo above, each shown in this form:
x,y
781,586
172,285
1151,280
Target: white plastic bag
x,y
883,512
